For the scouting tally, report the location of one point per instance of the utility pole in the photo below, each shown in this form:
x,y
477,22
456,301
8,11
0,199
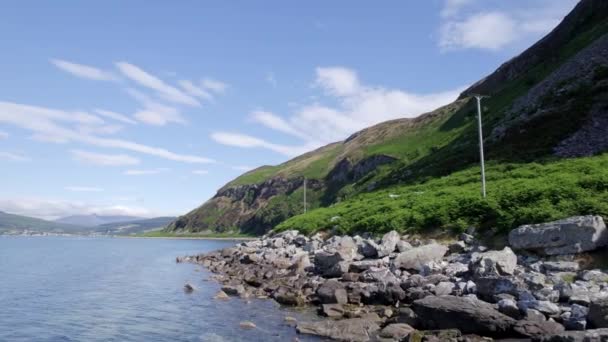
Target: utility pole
x,y
304,195
483,167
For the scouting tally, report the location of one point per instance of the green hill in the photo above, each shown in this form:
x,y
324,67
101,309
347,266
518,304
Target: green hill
x,y
547,104
16,224
133,227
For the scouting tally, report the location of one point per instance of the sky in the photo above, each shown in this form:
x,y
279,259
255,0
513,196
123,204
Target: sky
x,y
146,108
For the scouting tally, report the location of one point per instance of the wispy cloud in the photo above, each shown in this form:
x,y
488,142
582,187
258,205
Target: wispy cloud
x,y
3,135
146,172
103,159
53,126
83,189
164,90
214,85
83,71
473,24
200,172
155,113
115,116
359,106
13,157
195,90
52,208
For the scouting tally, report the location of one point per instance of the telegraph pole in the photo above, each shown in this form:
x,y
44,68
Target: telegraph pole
x,y
483,167
304,195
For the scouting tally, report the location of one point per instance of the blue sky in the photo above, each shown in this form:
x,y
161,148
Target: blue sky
x,y
148,107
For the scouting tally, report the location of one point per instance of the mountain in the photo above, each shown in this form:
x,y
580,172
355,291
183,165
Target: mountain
x,y
95,220
133,227
548,103
16,224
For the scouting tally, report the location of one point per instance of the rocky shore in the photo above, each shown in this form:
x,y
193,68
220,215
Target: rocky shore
x,y
399,288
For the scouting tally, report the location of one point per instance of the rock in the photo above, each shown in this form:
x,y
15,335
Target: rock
x,y
595,335
537,328
560,266
456,269
580,298
488,287
379,275
287,296
598,314
330,264
457,247
576,318
445,335
332,291
332,310
534,315
233,290
494,263
594,275
352,329
509,308
406,315
221,295
364,265
569,236
542,306
388,244
396,331
466,238
367,248
292,321
444,288
403,246
416,258
247,325
188,288
465,314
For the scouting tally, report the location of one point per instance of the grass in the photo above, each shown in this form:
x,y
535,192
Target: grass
x,y
517,194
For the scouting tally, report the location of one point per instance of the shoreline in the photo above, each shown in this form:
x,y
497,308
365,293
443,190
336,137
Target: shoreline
x,y
187,237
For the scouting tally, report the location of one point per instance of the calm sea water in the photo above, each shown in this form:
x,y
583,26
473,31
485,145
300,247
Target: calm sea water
x,y
110,289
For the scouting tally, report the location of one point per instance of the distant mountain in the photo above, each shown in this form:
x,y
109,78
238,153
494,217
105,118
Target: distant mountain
x,y
17,224
133,227
95,220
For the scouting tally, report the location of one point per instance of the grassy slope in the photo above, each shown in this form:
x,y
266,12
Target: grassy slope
x,y
133,227
11,222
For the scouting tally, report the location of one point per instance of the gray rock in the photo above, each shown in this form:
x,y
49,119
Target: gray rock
x,y
560,266
598,314
494,263
332,291
594,275
488,287
332,310
509,308
457,247
576,318
569,236
416,258
534,315
465,314
367,248
456,269
403,246
388,244
233,290
547,294
379,275
396,331
535,328
542,306
352,329
467,238
595,335
364,265
331,264
581,298
444,288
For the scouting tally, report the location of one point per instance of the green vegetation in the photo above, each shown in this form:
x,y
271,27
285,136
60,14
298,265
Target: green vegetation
x,y
165,234
10,223
517,194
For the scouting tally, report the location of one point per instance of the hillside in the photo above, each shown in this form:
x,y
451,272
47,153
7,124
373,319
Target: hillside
x,y
95,220
550,102
16,224
133,227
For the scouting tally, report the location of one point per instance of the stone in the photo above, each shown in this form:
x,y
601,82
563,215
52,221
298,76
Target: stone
x,y
188,288
444,288
456,269
364,265
388,244
332,310
444,335
332,291
580,298
465,314
598,314
221,295
457,247
233,290
594,275
542,306
494,263
416,258
367,248
287,296
509,308
396,331
594,335
466,238
406,315
560,266
352,329
547,294
576,318
535,328
379,275
330,264
403,246
534,315
568,236
247,325
488,287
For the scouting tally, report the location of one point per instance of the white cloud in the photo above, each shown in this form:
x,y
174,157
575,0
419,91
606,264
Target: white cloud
x,y
83,71
50,125
492,31
83,189
103,159
163,89
14,157
146,172
3,135
337,80
247,141
242,168
115,116
452,7
194,90
200,172
274,121
52,209
214,85
155,113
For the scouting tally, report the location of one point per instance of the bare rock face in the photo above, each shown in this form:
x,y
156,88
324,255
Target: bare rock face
x,y
568,236
463,313
417,258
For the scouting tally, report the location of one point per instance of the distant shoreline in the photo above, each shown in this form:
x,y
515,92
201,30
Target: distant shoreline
x,y
187,237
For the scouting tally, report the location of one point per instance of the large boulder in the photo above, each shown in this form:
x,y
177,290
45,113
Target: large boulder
x,y
598,314
568,236
353,329
536,328
494,263
417,258
388,244
331,264
466,314
332,291
594,335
